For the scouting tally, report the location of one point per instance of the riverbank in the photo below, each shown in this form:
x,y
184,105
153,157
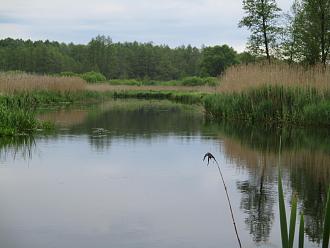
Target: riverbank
x,y
257,94
17,110
269,105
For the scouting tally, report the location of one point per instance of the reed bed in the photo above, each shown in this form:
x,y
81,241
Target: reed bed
x,y
23,82
243,77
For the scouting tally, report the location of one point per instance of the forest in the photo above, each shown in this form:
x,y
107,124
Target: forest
x,y
115,60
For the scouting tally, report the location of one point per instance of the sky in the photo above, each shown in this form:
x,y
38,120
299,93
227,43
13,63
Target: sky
x,y
171,22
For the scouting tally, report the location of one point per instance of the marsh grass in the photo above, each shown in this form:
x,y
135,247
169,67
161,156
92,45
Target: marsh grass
x,y
14,82
244,77
273,104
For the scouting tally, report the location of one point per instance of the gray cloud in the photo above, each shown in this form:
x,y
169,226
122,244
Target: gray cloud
x,y
174,22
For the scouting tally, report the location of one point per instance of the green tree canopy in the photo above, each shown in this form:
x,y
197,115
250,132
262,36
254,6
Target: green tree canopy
x,y
216,59
261,19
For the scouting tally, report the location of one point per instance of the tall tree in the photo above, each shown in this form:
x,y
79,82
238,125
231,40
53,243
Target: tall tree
x,y
290,47
313,31
261,19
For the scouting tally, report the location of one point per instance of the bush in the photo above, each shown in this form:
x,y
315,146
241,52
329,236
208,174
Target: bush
x,y
192,81
93,77
211,81
197,81
68,74
124,82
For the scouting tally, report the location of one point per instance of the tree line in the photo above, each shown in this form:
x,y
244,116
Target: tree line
x,y
300,36
115,60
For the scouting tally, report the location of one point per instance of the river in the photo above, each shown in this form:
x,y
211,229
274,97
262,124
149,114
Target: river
x,y
130,174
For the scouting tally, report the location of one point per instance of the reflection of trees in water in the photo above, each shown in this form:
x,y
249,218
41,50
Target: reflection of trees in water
x,y
310,178
306,157
258,201
141,122
17,147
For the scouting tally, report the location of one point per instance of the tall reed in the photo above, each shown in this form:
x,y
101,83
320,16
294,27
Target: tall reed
x,y
242,77
23,82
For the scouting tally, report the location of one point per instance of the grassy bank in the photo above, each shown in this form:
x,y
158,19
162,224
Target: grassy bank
x,y
96,77
187,81
21,93
267,94
271,105
183,97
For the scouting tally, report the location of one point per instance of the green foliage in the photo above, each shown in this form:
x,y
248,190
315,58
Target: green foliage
x,y
216,59
261,18
129,60
317,113
17,111
183,97
288,238
292,221
187,81
272,105
93,77
283,223
307,33
326,228
246,58
69,74
16,121
195,81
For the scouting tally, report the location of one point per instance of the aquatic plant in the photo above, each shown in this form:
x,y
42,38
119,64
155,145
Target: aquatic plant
x,y
209,157
288,238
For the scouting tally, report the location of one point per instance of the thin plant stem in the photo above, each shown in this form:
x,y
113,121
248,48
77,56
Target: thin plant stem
x,y
229,203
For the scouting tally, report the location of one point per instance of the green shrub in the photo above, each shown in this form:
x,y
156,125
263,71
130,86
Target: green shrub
x,y
192,81
69,74
211,81
93,77
197,81
124,82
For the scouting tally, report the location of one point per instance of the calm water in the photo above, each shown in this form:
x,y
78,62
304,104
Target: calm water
x,y
130,174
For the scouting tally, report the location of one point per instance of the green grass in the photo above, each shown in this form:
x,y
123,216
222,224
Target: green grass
x,y
187,81
90,77
183,97
19,121
272,105
17,110
268,105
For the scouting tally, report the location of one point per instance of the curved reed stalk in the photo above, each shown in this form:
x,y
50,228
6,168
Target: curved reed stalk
x,y
209,155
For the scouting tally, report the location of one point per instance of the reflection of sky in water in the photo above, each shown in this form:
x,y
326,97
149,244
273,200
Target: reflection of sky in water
x,y
147,193
138,189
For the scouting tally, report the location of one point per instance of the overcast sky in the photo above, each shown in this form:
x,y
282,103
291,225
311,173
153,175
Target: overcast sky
x,y
172,22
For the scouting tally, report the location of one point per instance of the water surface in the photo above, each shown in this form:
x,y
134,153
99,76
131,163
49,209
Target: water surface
x,y
130,174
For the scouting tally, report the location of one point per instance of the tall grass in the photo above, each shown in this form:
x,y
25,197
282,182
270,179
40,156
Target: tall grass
x,y
273,105
22,82
243,77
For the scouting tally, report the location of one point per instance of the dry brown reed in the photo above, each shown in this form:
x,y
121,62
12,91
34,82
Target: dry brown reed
x,y
23,82
242,77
